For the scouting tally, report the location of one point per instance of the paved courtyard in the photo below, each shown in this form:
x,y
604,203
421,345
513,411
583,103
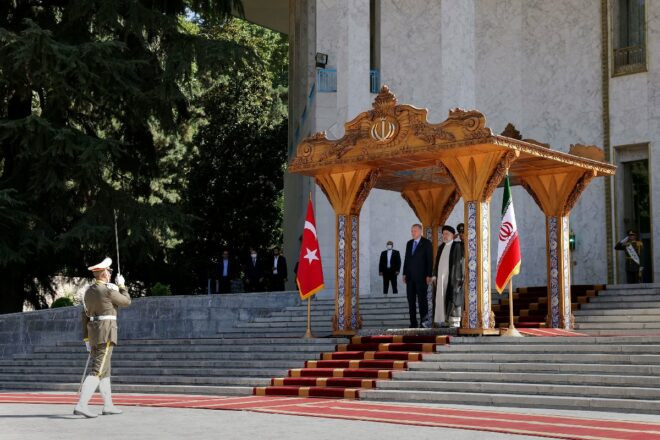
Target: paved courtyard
x,y
172,417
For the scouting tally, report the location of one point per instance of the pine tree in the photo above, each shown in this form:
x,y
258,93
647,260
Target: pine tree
x,y
95,114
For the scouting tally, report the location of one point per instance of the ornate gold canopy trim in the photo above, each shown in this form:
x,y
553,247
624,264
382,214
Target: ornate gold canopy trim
x,y
398,140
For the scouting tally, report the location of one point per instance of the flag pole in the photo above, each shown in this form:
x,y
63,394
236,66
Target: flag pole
x,y
308,333
511,331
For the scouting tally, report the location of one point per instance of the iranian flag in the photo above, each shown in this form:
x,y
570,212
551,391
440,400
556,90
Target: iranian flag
x,y
310,271
508,247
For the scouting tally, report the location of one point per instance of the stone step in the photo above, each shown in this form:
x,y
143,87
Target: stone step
x,y
623,299
164,380
136,364
291,333
121,349
615,312
569,340
218,341
387,314
616,325
622,333
577,358
194,359
536,367
617,318
621,305
550,348
150,370
516,400
647,381
632,291
134,388
302,324
601,391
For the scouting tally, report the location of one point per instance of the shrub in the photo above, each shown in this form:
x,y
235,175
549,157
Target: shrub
x,y
64,301
160,289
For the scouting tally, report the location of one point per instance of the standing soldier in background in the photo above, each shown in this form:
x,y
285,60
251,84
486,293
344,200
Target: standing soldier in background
x,y
99,325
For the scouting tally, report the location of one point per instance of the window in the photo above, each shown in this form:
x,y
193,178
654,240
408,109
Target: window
x,y
629,36
374,46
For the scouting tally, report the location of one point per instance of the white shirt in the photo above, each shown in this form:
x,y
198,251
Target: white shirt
x,y
275,264
225,268
389,257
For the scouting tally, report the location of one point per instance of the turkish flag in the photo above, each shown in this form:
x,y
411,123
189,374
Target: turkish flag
x,y
310,271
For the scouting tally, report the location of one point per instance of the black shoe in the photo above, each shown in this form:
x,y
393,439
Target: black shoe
x,y
395,293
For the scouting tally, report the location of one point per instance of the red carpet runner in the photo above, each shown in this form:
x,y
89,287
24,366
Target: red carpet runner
x,y
352,366
550,426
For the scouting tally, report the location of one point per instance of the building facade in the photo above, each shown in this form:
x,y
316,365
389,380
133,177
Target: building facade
x,y
562,72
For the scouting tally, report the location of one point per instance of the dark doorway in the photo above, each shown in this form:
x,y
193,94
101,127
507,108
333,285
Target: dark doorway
x,y
637,210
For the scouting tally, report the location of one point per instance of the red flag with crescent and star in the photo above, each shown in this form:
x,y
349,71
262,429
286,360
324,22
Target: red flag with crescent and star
x,y
310,271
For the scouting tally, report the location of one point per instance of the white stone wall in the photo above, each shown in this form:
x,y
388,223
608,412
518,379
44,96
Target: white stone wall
x,y
534,63
635,119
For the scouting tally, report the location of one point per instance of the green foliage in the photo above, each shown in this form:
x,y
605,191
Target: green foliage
x,y
160,289
235,181
63,301
97,111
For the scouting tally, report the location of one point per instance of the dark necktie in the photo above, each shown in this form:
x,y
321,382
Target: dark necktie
x,y
414,246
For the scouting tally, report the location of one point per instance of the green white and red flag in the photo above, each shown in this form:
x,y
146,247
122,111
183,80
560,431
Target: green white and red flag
x,y
508,247
310,271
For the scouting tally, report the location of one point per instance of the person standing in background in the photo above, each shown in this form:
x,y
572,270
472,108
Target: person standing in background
x,y
389,267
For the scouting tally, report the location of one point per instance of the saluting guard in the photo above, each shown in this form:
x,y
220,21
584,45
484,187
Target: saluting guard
x,y
99,323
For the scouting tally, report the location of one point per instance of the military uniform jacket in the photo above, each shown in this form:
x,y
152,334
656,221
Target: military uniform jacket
x,y
102,299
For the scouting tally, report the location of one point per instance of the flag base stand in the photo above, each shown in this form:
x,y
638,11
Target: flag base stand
x,y
511,331
308,333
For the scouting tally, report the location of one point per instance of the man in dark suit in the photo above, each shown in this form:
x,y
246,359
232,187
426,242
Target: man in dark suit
x,y
226,273
389,267
254,274
278,272
417,272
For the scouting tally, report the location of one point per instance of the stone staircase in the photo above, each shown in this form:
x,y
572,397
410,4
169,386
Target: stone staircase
x,y
605,373
378,312
243,357
621,310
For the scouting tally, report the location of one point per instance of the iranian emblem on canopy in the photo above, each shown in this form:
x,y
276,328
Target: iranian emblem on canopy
x,y
384,129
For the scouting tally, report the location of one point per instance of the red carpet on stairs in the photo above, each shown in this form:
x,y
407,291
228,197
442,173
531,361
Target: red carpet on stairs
x,y
353,366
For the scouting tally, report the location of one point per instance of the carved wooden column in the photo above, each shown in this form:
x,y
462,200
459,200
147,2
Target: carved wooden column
x,y
556,193
476,175
432,206
347,192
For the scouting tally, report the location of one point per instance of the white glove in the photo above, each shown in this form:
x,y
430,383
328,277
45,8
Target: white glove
x,y
87,346
119,279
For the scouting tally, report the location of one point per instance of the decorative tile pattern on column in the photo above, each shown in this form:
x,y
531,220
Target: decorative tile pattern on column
x,y
485,258
429,234
471,302
566,266
553,243
341,273
355,224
